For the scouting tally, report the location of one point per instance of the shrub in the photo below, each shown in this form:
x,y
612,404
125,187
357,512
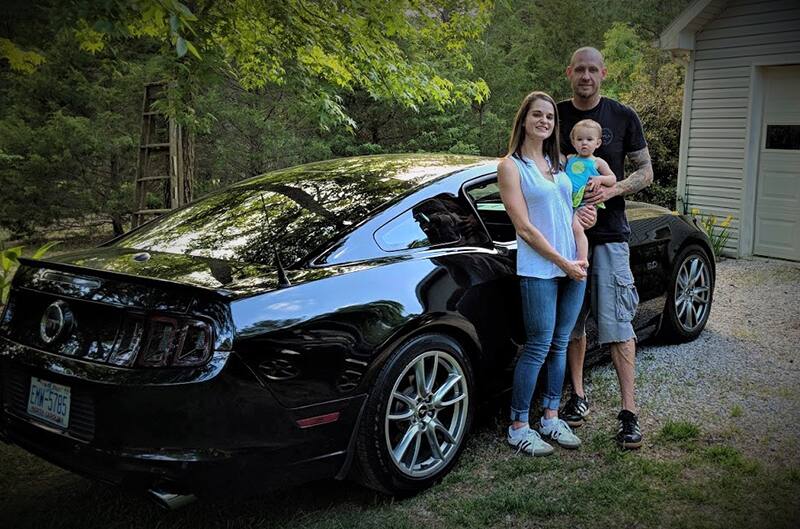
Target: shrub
x,y
717,231
9,261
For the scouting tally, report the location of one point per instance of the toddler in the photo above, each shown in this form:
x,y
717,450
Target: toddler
x,y
586,173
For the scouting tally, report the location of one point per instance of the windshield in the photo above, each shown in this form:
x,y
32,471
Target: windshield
x,y
294,211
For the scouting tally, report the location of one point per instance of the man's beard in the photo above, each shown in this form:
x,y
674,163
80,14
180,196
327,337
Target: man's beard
x,y
592,91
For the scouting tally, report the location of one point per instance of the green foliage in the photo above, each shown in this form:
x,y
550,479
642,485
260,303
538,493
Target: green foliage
x,y
647,80
718,231
730,458
623,51
8,264
264,85
9,261
19,60
68,138
678,431
464,148
410,52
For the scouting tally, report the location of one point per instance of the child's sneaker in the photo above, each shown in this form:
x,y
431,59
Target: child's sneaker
x,y
527,440
560,432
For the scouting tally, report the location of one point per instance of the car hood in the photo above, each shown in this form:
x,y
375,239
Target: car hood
x,y
227,278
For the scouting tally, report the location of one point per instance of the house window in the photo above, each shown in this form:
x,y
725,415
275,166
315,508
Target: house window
x,y
783,137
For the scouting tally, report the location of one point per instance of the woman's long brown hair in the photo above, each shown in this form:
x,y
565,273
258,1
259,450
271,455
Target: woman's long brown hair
x,y
550,147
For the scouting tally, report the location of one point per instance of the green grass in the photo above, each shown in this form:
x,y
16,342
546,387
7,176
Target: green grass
x,y
679,431
677,480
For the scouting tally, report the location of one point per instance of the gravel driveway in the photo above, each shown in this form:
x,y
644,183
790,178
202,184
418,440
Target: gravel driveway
x,y
740,380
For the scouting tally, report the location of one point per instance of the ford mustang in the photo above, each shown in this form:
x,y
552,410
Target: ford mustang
x,y
335,319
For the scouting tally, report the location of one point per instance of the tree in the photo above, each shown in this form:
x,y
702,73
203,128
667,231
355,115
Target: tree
x,y
392,50
274,73
651,83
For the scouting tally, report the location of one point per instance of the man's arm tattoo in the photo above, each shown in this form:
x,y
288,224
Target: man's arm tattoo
x,y
641,177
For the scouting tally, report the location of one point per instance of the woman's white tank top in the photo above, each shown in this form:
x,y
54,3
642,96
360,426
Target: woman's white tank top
x,y
550,212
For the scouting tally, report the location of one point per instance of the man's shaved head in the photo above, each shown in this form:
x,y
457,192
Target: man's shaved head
x,y
586,72
587,52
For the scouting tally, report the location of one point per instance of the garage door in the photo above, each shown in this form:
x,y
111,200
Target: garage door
x,y
777,229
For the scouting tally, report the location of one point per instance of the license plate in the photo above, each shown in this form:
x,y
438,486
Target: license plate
x,y
49,401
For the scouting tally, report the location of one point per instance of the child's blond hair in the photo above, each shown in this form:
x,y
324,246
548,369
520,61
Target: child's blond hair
x,y
586,124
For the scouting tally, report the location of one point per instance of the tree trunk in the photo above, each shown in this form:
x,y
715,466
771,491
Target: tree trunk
x,y
116,216
188,164
116,222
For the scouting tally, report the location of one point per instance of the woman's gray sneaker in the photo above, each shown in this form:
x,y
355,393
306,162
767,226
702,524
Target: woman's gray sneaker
x,y
575,410
527,440
560,433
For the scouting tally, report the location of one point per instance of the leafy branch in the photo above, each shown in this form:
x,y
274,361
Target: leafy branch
x,y
9,261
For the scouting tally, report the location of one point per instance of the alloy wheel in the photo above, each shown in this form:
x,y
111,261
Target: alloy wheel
x,y
692,292
426,416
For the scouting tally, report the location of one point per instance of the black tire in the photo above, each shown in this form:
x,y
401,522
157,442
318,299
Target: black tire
x,y
689,296
383,423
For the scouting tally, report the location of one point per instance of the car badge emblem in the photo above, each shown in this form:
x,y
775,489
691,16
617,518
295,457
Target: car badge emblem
x,y
141,257
56,322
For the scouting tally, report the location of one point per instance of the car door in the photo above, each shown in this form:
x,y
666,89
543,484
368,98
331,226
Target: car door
x,y
484,195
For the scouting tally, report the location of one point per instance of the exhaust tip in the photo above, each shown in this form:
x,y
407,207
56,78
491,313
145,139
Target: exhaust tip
x,y
169,500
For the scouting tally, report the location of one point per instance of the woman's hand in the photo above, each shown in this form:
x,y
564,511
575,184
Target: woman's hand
x,y
576,269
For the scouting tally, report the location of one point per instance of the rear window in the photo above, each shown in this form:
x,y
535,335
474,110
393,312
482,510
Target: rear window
x,y
294,211
434,222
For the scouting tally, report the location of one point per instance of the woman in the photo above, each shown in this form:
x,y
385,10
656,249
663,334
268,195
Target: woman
x,y
538,197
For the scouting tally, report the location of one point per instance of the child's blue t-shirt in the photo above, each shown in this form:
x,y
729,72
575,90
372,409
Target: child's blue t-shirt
x,y
580,170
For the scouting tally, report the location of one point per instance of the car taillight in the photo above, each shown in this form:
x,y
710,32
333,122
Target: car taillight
x,y
196,345
162,341
175,342
128,342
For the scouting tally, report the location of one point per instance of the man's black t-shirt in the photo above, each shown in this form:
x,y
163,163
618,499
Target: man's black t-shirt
x,y
622,133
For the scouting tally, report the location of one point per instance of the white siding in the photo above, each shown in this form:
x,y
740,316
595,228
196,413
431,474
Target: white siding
x,y
745,33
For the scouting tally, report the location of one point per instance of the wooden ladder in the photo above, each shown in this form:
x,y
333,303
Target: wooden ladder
x,y
161,183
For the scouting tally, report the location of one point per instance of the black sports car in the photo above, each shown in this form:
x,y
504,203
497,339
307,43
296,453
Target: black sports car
x,y
339,318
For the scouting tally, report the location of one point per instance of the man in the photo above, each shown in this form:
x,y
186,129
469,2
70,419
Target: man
x,y
613,295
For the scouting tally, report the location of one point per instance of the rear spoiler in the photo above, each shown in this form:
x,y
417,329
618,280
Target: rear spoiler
x,y
106,274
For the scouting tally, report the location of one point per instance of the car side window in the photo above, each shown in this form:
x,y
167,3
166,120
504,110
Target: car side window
x,y
438,221
486,197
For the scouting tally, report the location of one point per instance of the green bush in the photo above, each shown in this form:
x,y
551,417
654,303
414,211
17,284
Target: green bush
x,y
717,230
9,261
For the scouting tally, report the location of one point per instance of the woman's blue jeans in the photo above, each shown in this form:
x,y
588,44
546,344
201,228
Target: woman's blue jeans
x,y
549,309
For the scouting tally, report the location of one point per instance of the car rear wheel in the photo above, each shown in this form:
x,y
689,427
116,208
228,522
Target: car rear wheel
x,y
690,295
417,416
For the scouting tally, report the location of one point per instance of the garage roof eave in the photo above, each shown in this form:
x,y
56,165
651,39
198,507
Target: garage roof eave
x,y
680,33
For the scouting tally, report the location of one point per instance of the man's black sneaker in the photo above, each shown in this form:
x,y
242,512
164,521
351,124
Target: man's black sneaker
x,y
574,411
629,435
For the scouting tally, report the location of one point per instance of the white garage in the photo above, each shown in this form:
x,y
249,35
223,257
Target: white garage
x,y
740,136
